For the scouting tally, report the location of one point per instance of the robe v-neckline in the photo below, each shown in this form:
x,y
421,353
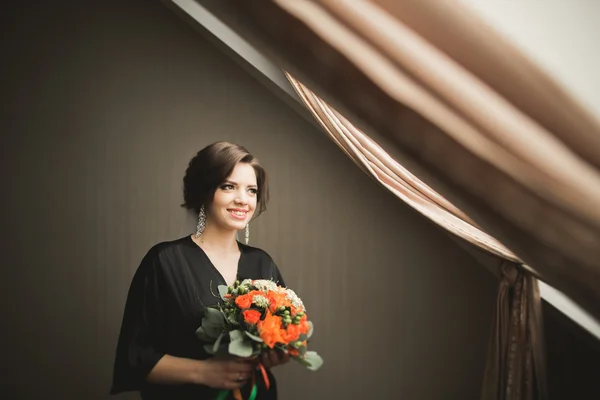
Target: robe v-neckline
x,y
215,269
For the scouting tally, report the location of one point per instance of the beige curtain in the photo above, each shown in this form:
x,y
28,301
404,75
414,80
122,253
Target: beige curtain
x,y
378,164
516,364
515,367
511,161
500,139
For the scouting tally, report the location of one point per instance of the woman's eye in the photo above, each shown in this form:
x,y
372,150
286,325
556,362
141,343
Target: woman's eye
x,y
227,187
254,191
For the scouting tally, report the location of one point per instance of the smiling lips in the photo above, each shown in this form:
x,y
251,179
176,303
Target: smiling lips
x,y
238,213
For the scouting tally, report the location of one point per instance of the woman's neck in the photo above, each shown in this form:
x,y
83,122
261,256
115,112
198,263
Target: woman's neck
x,y
222,241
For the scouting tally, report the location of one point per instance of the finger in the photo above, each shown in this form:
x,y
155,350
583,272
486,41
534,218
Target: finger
x,y
284,357
265,360
274,358
237,367
233,384
237,380
246,359
240,376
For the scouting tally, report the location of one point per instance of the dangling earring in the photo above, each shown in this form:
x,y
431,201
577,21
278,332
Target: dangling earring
x,y
201,222
247,233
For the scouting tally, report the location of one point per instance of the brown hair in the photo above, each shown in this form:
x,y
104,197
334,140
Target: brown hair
x,y
211,167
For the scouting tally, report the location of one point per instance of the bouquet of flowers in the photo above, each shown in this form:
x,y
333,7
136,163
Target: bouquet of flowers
x,y
257,315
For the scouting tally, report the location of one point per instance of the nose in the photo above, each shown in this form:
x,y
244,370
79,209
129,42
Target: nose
x,y
241,197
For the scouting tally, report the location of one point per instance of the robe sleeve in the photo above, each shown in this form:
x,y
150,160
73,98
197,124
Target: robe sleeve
x,y
141,327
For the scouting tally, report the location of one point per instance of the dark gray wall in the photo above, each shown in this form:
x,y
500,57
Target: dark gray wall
x,y
104,103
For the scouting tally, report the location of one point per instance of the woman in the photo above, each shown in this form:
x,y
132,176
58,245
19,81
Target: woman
x,y
158,353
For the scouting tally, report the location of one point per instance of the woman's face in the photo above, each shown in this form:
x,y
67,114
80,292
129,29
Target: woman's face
x,y
235,199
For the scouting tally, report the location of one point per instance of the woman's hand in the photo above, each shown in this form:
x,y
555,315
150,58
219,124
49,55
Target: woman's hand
x,y
273,358
225,374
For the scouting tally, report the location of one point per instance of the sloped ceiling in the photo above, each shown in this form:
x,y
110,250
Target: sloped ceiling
x,y
225,28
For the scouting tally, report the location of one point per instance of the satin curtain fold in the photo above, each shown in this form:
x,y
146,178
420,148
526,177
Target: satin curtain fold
x,y
374,161
514,160
516,365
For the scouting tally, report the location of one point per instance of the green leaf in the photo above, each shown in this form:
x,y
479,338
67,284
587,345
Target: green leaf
x,y
301,361
213,323
223,291
302,350
281,347
232,319
212,314
236,335
253,337
212,330
310,330
241,348
218,342
209,348
314,360
201,334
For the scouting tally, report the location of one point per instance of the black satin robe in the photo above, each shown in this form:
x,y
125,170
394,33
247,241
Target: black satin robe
x,y
164,308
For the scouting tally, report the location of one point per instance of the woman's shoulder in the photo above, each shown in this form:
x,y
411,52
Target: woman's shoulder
x,y
161,248
260,264
164,252
255,252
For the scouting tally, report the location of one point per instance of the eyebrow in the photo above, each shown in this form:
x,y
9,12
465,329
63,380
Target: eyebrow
x,y
235,183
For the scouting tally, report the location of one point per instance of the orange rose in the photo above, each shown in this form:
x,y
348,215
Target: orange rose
x,y
243,301
251,316
253,293
303,326
273,300
291,333
277,300
293,352
270,330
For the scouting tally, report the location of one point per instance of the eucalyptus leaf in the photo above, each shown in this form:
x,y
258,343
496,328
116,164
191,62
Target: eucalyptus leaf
x,y
301,361
282,348
253,337
212,314
302,350
231,318
223,290
213,323
241,348
218,342
212,329
209,348
310,330
236,335
201,334
314,360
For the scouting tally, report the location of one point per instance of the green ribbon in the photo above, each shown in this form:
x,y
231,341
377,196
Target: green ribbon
x,y
223,393
254,392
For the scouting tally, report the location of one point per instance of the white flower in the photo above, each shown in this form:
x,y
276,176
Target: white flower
x,y
265,285
260,301
294,299
246,282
